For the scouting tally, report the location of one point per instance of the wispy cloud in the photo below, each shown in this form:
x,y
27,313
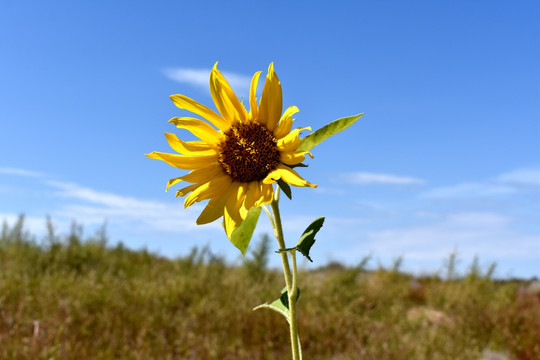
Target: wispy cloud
x,y
91,206
522,177
200,77
20,172
486,234
425,243
495,219
142,221
505,184
468,190
195,77
33,224
76,191
424,235
366,178
159,225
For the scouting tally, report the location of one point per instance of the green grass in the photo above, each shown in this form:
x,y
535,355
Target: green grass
x,y
65,298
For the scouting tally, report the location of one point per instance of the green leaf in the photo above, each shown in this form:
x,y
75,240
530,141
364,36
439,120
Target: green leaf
x,y
280,305
284,298
315,138
297,165
308,237
277,306
241,236
285,187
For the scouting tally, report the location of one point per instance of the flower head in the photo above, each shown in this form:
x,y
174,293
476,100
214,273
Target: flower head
x,y
240,154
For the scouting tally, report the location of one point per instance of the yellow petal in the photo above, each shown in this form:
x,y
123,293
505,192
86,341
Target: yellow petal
x,y
221,101
266,194
172,182
226,101
214,187
199,128
187,189
231,215
189,147
201,175
291,141
182,161
253,108
271,100
288,175
285,124
183,102
229,223
213,210
204,174
252,195
294,157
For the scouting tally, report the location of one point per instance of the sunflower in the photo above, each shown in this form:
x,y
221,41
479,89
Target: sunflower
x,y
240,154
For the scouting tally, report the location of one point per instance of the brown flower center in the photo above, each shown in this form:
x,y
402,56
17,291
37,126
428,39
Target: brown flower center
x,y
249,152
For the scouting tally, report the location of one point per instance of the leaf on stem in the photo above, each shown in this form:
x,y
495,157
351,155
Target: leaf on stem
x,y
308,237
298,165
241,236
277,306
315,138
280,305
284,298
286,188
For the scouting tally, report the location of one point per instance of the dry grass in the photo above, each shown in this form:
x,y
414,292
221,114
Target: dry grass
x,y
74,299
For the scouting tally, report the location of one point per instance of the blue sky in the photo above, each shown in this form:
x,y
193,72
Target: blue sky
x,y
446,158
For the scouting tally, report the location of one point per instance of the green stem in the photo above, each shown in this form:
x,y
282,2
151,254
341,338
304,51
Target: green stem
x,y
293,295
290,279
278,232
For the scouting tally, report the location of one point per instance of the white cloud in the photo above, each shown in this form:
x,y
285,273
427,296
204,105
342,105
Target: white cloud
x,y
200,78
501,227
97,206
34,225
505,184
20,172
365,178
488,235
467,190
163,226
522,177
195,77
494,234
75,191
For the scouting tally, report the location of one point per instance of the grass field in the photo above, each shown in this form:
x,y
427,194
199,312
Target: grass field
x,y
69,298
